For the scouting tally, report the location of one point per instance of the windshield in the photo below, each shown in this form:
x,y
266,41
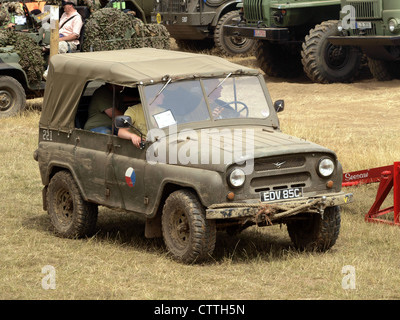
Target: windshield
x,y
205,100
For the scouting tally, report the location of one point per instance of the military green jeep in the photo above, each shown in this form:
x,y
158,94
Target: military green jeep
x,y
213,157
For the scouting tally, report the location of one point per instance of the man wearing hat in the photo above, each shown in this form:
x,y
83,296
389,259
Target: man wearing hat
x,y
70,27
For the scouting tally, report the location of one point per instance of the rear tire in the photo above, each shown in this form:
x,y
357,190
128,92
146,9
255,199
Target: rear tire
x,y
315,233
194,45
71,216
188,236
278,60
12,97
384,70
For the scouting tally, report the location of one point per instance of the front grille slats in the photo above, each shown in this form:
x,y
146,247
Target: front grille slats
x,y
253,10
278,163
173,6
279,172
281,181
367,9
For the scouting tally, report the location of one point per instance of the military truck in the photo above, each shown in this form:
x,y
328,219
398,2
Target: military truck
x,y
17,82
198,24
212,156
373,26
292,36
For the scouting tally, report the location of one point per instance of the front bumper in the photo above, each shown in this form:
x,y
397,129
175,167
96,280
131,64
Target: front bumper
x,y
364,40
275,210
271,34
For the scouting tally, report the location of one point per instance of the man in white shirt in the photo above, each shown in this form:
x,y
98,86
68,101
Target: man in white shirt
x,y
70,27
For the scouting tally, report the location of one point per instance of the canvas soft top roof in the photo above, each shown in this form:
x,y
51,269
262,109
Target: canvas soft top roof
x,y
68,74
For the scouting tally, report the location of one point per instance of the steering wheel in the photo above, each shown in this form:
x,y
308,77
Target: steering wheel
x,y
244,108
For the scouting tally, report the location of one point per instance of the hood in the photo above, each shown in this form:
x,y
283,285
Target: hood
x,y
217,148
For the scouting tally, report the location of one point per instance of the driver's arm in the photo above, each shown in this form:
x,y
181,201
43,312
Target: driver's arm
x,y
125,133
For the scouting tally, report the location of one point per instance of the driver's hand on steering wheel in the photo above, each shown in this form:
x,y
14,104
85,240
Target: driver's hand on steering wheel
x,y
217,112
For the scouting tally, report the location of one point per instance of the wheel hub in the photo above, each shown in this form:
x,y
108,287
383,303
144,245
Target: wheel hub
x,y
182,228
238,41
5,100
65,207
336,56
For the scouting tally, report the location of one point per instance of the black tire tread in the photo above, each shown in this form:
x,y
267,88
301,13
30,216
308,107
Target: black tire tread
x,y
85,213
278,60
203,231
384,70
323,234
312,57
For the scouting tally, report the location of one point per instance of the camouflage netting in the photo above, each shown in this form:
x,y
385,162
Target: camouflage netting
x,y
112,29
31,59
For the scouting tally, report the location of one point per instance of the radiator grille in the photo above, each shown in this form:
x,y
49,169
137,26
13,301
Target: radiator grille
x,y
253,10
172,6
367,9
280,172
275,163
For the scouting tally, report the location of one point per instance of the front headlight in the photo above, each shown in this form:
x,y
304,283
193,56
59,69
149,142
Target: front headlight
x,y
236,178
393,25
340,26
325,167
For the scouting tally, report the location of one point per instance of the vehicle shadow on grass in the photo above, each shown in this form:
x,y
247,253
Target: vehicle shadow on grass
x,y
250,245
127,230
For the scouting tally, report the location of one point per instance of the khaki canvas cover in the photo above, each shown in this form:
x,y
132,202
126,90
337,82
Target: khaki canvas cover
x,y
68,74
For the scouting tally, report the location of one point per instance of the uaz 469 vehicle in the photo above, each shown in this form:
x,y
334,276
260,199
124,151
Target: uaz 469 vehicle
x,y
213,156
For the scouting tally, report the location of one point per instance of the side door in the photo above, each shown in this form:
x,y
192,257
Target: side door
x,y
90,155
90,151
125,176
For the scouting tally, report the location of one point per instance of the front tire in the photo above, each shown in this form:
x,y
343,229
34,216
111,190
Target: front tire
x,y
188,236
316,233
231,45
325,63
71,216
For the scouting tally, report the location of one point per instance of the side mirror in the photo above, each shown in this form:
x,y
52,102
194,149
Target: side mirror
x,y
123,121
279,105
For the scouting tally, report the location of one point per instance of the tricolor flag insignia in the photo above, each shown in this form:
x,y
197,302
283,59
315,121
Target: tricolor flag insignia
x,y
130,177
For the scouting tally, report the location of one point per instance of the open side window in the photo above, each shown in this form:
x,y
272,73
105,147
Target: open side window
x,y
82,113
95,111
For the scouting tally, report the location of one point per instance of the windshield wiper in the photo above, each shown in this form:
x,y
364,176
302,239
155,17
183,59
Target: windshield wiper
x,y
161,90
219,84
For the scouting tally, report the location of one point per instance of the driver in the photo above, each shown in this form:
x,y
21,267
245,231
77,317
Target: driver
x,y
220,109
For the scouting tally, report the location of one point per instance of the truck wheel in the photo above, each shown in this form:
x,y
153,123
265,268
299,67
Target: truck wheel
x,y
278,60
384,70
12,97
71,216
188,236
325,63
234,45
316,233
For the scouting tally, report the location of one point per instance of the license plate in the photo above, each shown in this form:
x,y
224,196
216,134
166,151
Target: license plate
x,y
363,25
281,194
260,33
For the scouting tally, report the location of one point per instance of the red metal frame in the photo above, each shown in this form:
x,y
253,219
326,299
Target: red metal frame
x,y
388,178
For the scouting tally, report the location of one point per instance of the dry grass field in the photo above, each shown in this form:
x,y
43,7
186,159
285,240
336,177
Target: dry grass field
x,y
360,121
